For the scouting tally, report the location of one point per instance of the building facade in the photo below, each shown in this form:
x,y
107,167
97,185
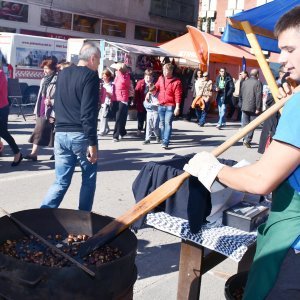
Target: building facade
x,y
144,22
213,13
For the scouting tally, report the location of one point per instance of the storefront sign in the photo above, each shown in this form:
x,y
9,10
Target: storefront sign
x,y
13,11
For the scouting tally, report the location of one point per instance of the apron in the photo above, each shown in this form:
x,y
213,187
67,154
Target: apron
x,y
274,238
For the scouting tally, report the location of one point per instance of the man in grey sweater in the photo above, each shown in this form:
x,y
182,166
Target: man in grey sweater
x,y
251,102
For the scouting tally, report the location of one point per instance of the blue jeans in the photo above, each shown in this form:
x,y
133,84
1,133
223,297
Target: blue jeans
x,y
70,147
166,114
222,109
201,114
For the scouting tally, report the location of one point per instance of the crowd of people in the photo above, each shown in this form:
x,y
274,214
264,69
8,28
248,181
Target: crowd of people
x,y
71,101
119,93
239,100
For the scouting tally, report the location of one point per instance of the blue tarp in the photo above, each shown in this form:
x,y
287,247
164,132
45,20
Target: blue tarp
x,y
264,16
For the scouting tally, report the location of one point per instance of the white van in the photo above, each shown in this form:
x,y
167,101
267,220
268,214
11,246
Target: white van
x,y
24,54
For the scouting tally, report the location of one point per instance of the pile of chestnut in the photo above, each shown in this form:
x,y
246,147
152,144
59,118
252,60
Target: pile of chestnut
x,y
30,249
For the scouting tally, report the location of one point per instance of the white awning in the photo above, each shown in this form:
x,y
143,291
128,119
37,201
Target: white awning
x,y
137,49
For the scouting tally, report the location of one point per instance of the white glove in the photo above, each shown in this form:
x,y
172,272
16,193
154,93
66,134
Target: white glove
x,y
205,166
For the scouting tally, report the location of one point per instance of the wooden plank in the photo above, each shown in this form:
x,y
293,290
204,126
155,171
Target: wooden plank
x,y
189,281
250,34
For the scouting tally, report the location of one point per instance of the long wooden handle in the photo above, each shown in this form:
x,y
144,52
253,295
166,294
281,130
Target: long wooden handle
x,y
165,190
261,59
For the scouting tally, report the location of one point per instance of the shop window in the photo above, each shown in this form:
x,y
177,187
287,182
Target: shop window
x,y
183,10
86,24
113,28
164,36
13,11
57,19
145,33
7,29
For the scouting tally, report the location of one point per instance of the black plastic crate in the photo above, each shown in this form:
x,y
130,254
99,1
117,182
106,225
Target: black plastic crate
x,y
245,216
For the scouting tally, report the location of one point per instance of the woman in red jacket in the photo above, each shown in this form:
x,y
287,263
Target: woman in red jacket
x,y
170,92
4,112
122,86
141,89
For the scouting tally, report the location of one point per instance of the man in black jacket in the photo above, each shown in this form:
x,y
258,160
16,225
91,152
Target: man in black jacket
x,y
76,110
251,101
224,89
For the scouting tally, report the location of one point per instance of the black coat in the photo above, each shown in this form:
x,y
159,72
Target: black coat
x,y
228,88
192,201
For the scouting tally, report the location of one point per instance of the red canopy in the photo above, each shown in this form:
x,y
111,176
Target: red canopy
x,y
217,50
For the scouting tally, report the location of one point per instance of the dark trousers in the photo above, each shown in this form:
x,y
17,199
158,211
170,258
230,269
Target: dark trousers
x,y
230,108
4,111
236,110
248,117
121,118
287,285
141,118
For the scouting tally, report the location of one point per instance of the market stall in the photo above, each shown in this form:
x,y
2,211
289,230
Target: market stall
x,y
211,54
137,57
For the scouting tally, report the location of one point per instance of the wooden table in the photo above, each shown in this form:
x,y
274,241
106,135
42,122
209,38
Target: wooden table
x,y
198,256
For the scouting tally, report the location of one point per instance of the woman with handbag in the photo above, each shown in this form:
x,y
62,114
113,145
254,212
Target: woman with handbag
x,y
201,104
107,96
43,133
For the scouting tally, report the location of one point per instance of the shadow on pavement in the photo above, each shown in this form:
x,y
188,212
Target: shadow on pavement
x,y
157,260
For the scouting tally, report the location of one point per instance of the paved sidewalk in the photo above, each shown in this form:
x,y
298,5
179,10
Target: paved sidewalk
x,y
119,163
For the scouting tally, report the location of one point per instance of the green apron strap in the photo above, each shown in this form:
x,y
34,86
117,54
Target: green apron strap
x,y
273,242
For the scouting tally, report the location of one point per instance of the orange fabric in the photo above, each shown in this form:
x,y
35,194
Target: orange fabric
x,y
218,51
198,102
200,44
